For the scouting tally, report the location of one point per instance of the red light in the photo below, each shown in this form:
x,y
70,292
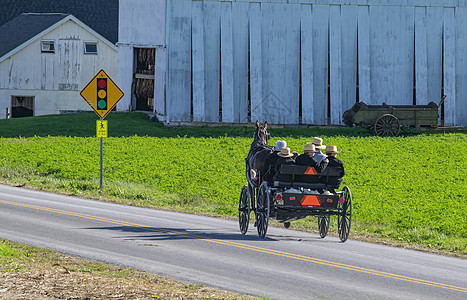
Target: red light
x,y
101,83
341,200
278,197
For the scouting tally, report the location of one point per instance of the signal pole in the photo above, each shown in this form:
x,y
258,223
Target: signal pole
x,y
102,161
102,94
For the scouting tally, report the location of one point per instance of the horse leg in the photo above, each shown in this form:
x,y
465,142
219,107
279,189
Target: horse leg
x,y
252,192
251,189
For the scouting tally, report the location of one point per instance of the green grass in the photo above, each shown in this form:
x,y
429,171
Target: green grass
x,y
12,257
7,252
407,189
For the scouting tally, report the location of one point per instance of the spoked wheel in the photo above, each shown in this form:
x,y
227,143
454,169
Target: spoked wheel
x,y
244,210
344,218
262,210
387,125
323,225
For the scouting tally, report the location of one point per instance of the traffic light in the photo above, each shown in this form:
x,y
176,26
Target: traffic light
x,y
102,93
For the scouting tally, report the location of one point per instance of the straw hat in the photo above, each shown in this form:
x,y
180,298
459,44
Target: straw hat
x,y
280,144
331,149
318,142
309,147
285,152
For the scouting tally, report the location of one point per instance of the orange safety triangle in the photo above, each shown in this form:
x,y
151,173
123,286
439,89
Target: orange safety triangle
x,y
310,171
310,200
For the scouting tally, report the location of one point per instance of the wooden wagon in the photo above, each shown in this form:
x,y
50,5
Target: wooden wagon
x,y
386,120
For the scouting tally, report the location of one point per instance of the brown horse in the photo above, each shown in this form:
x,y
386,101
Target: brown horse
x,y
259,151
259,148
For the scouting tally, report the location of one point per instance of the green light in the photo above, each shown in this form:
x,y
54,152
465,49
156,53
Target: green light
x,y
101,104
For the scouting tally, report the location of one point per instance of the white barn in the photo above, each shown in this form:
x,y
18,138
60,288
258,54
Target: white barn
x,y
46,59
292,61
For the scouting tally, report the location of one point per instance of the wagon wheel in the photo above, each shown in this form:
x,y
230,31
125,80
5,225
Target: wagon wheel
x,y
344,218
262,210
387,125
323,225
244,209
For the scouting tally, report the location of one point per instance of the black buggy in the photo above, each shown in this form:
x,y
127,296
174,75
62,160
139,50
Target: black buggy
x,y
306,193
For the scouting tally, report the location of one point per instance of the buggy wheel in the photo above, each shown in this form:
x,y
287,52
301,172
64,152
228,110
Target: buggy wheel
x,y
344,218
244,210
262,210
323,225
286,225
387,125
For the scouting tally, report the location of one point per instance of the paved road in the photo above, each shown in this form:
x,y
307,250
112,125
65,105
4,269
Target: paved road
x,y
285,265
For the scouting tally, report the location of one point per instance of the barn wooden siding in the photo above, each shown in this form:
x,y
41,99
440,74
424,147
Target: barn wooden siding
x,y
307,61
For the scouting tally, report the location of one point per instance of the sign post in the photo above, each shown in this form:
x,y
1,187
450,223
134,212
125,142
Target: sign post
x,y
101,177
101,130
102,94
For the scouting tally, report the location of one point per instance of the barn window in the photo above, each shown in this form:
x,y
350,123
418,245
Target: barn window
x,y
90,48
48,46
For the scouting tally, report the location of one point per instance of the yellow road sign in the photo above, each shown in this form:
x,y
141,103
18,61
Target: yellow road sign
x,y
101,128
102,94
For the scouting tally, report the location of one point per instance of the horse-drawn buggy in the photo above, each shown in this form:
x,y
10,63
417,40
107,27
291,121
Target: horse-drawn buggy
x,y
299,192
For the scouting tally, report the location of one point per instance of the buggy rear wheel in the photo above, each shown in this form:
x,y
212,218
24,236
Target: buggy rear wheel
x,y
262,210
344,218
387,125
323,225
244,210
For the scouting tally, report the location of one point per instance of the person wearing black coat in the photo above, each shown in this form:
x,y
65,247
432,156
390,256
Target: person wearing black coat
x,y
270,162
308,159
285,158
333,161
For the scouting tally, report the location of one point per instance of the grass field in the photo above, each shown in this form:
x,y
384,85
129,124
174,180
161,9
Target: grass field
x,y
408,189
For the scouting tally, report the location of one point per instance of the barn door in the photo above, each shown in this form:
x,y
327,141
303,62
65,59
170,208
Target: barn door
x,y
22,106
144,78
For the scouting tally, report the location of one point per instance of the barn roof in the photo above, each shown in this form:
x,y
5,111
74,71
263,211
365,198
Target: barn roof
x,y
28,27
100,15
24,27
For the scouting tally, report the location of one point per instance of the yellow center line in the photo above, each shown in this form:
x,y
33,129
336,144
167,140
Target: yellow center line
x,y
246,247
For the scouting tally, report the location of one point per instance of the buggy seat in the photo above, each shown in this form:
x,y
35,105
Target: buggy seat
x,y
316,181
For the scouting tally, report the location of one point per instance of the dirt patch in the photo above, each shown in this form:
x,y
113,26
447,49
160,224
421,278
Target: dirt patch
x,y
57,284
43,274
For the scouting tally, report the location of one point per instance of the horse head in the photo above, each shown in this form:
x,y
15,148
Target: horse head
x,y
261,136
259,149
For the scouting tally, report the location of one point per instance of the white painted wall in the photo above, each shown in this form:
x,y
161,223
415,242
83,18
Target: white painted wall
x,y
179,46
125,76
281,60
55,79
